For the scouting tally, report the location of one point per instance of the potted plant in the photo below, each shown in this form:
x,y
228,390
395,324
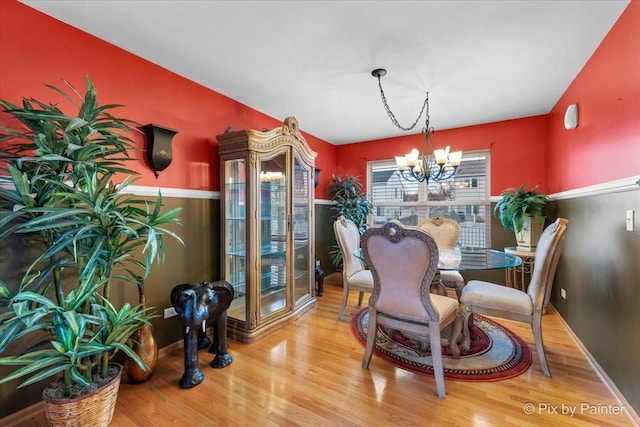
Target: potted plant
x,y
516,209
350,201
83,233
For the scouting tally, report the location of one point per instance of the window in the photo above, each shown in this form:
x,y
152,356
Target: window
x,y
464,197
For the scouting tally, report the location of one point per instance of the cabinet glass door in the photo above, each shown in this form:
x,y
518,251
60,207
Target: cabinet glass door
x,y
235,250
301,232
273,234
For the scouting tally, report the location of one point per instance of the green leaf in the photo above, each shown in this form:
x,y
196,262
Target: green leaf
x,y
132,355
8,332
75,124
90,349
33,362
75,321
46,374
25,296
59,347
78,378
5,293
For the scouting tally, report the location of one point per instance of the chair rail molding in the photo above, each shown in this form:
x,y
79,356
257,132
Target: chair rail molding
x,y
141,190
631,183
617,186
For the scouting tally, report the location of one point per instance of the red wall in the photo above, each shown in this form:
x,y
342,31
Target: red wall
x,y
606,144
36,49
518,150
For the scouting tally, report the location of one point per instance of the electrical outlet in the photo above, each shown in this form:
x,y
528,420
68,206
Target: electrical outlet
x,y
170,312
563,293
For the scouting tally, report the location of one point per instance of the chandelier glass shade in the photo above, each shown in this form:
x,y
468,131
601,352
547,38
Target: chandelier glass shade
x,y
422,165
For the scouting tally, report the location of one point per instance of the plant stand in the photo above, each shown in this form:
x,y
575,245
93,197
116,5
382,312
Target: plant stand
x,y
518,277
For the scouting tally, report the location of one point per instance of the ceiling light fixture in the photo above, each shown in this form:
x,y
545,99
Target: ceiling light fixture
x,y
416,165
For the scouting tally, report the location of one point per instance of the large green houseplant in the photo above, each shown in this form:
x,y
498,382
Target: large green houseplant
x,y
349,201
84,234
516,208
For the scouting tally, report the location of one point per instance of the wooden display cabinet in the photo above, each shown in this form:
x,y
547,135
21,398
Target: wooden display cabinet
x,y
267,227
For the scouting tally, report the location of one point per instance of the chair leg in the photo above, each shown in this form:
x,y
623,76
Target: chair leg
x,y
372,331
536,325
360,298
345,296
436,357
458,285
467,324
456,331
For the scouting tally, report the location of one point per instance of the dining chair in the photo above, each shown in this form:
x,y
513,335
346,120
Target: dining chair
x,y
510,303
446,233
355,276
403,262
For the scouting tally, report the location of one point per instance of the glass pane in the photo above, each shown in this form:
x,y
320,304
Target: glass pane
x,y
235,238
389,186
302,249
273,232
468,185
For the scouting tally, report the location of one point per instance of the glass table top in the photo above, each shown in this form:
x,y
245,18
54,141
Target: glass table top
x,y
472,259
476,259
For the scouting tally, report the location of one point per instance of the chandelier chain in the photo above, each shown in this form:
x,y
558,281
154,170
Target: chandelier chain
x,y
425,105
416,165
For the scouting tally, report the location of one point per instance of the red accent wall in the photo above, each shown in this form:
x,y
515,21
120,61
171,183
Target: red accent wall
x,y
518,150
606,144
36,49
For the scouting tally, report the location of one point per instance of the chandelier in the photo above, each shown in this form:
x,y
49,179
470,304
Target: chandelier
x,y
416,165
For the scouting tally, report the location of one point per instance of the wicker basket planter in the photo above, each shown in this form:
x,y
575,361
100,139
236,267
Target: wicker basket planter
x,y
95,409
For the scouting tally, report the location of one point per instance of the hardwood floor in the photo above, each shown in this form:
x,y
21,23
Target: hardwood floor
x,y
309,373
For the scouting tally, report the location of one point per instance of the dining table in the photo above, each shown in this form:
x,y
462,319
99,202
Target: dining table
x,y
466,259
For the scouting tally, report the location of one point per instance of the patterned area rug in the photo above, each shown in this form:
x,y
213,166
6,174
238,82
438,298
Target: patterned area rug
x,y
496,352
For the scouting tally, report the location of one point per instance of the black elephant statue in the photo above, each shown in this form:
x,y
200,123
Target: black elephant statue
x,y
196,304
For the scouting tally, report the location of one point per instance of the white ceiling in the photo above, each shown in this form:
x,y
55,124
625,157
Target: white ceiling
x,y
480,61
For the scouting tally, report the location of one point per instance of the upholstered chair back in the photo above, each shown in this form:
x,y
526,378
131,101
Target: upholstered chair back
x,y
548,252
348,239
445,231
403,262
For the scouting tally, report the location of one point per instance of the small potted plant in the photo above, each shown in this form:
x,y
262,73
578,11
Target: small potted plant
x,y
522,211
82,233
